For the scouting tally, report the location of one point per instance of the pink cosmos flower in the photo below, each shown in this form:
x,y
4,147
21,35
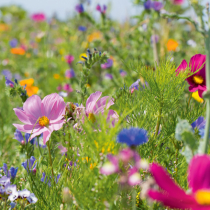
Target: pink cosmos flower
x,y
173,196
94,106
38,17
110,167
197,81
69,59
41,116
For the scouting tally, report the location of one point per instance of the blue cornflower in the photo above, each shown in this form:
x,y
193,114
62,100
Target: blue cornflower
x,y
30,164
148,5
132,136
200,123
135,85
82,28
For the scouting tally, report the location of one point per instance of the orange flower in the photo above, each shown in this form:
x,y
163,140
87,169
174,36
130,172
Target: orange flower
x,y
17,51
4,27
56,76
172,45
94,36
31,90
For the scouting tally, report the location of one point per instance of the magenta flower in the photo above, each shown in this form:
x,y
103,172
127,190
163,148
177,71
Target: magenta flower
x,y
67,88
38,17
173,196
69,73
177,2
79,8
134,176
94,106
69,59
196,81
101,9
41,116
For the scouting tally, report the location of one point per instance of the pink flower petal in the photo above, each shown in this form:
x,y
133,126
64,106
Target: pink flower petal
x,y
182,67
164,181
91,101
103,103
32,106
23,117
46,136
27,128
199,172
196,62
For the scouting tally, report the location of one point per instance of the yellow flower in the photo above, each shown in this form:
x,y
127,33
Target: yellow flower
x,y
172,45
85,44
31,90
26,74
62,51
17,51
84,55
94,36
56,76
197,97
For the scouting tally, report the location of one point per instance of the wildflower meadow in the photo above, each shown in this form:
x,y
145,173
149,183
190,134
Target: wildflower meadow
x,y
99,114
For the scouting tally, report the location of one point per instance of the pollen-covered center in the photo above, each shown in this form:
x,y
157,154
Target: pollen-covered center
x,y
91,117
203,197
198,79
44,121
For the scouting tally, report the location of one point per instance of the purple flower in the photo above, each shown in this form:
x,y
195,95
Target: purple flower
x,y
122,73
101,9
69,73
82,28
148,5
30,164
11,173
108,64
79,8
18,136
135,86
154,37
47,180
108,76
69,59
200,123
13,43
7,74
132,136
9,83
157,5
17,76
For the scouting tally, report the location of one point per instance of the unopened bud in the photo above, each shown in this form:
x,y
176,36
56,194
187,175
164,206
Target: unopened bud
x,y
23,142
34,170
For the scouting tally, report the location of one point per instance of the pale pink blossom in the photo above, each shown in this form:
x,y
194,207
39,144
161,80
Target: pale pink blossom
x,y
41,116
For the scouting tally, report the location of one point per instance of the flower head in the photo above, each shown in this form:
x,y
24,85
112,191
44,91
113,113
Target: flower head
x,y
67,88
79,8
157,5
132,136
122,73
108,64
9,83
177,2
30,164
148,5
196,96
7,74
69,59
108,76
70,73
197,81
17,51
110,167
101,9
31,90
94,106
41,116
13,43
172,45
38,17
82,28
173,196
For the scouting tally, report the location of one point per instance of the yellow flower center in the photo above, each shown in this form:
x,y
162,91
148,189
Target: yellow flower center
x,y
203,197
43,121
198,79
91,117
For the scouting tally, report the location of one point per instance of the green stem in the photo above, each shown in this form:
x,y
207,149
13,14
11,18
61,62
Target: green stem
x,y
39,146
158,121
134,199
48,145
5,205
189,99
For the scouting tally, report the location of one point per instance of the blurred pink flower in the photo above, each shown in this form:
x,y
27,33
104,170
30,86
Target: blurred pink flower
x,y
94,106
38,17
177,2
67,88
69,59
41,116
175,197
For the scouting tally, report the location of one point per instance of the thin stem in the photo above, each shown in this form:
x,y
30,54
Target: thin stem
x,y
39,146
158,121
189,99
134,199
5,205
155,50
48,145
